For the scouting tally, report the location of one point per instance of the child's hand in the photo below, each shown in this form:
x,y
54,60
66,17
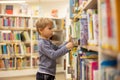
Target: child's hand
x,y
69,45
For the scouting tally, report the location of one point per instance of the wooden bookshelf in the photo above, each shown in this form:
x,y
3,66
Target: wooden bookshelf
x,y
104,54
30,53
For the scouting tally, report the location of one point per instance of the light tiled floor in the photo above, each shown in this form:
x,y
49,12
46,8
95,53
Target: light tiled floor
x,y
59,76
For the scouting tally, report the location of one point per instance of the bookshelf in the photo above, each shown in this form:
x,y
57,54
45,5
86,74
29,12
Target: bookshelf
x,y
18,40
107,46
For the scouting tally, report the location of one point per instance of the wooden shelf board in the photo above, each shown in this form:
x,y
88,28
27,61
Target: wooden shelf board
x,y
91,4
35,55
14,41
55,30
14,28
6,56
34,29
48,17
110,53
22,72
93,48
90,57
15,15
27,54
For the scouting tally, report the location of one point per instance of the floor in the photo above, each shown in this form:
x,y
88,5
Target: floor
x,y
59,76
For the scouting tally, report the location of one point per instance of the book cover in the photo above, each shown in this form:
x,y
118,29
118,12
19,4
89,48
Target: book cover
x,y
4,49
83,32
9,9
95,28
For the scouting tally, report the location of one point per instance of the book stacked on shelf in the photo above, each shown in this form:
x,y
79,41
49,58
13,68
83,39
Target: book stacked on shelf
x,y
73,63
83,31
109,25
14,21
35,62
92,19
109,69
23,63
6,64
88,64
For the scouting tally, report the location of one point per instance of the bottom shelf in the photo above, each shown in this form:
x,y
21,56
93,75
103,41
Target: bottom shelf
x,y
25,72
13,73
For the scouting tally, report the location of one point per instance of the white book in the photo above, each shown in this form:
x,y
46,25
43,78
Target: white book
x,y
95,75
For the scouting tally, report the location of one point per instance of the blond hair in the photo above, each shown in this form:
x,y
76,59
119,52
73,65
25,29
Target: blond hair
x,y
41,23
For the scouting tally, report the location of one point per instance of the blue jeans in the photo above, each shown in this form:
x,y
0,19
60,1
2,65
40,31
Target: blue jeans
x,y
42,76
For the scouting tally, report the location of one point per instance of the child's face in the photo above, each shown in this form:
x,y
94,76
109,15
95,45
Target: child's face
x,y
47,32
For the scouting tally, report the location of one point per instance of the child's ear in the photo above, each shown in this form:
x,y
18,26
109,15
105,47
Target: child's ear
x,y
40,30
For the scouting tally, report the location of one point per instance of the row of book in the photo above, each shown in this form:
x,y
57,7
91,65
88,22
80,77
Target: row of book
x,y
93,29
88,68
14,21
72,69
86,28
18,63
20,49
110,70
110,39
88,65
10,36
23,22
110,25
16,35
84,66
15,48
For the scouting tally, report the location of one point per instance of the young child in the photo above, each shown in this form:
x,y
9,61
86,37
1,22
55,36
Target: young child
x,y
48,52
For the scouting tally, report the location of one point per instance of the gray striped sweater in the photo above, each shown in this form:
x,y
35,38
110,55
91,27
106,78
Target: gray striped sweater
x,y
48,53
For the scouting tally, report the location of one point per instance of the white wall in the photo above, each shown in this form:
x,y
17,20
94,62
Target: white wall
x,y
46,7
61,6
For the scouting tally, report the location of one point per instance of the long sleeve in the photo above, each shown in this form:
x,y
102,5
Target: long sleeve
x,y
63,44
58,47
52,53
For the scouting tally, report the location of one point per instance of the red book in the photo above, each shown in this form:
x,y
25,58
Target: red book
x,y
94,66
109,18
9,9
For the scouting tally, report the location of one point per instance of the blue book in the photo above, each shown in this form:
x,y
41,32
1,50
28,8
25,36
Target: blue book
x,y
4,48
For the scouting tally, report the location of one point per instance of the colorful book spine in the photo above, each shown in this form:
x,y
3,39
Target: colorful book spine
x,y
83,32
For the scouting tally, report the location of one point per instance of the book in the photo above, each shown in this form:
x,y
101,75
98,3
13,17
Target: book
x,y
4,49
25,36
9,9
83,32
95,28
